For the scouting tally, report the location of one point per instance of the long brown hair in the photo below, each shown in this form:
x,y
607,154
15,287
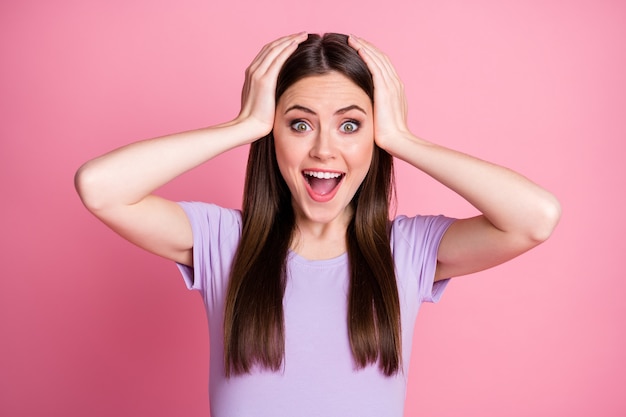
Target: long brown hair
x,y
254,331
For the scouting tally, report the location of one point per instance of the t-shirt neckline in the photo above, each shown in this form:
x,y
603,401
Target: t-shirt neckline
x,y
294,257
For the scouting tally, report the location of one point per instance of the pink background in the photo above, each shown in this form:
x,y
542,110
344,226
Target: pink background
x,y
90,325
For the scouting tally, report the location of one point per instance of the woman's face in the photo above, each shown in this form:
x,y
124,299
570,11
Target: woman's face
x,y
324,138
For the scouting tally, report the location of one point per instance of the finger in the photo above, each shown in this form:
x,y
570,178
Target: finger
x,y
268,62
270,51
382,70
273,44
277,57
384,73
377,56
366,52
377,67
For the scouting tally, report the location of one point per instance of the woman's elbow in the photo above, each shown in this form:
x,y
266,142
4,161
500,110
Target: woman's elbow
x,y
548,216
89,187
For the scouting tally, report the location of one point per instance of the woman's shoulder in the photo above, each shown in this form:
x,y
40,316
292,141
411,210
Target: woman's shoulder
x,y
414,229
211,214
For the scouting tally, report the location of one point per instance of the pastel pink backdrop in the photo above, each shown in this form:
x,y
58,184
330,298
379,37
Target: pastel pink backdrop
x,y
90,325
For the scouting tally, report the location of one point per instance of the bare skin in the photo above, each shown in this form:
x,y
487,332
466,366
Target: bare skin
x,y
117,187
517,214
323,124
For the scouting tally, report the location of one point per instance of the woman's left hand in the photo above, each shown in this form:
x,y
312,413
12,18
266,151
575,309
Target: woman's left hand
x,y
516,213
390,106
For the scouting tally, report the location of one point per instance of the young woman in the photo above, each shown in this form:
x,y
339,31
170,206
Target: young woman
x,y
311,291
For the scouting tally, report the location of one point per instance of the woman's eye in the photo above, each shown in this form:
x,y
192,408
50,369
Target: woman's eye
x,y
349,126
300,126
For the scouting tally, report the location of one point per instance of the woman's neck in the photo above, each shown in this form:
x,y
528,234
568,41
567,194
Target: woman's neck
x,y
315,241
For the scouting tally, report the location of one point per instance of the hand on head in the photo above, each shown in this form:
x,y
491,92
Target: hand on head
x,y
390,105
257,97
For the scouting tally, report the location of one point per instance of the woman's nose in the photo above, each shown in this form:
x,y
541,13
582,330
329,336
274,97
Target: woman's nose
x,y
323,148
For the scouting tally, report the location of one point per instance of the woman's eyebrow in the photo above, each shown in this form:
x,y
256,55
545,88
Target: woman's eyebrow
x,y
340,111
351,107
299,107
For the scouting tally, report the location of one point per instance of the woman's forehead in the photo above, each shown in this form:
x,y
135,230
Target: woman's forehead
x,y
330,89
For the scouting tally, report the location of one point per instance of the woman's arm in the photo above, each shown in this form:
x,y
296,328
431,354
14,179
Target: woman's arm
x,y
117,187
517,214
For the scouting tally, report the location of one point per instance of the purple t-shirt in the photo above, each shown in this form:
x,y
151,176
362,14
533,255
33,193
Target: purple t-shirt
x,y
318,377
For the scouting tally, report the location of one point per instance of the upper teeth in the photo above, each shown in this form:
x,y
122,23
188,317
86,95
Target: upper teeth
x,y
322,175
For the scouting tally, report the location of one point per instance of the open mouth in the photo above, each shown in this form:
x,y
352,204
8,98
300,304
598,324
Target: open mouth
x,y
323,183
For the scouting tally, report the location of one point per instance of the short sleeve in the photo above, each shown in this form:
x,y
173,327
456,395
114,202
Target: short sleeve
x,y
216,232
415,242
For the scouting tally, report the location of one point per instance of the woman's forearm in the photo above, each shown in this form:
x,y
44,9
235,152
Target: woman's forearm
x,y
511,202
126,175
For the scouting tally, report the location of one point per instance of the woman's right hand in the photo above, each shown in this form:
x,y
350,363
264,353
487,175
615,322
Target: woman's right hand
x,y
117,187
258,95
